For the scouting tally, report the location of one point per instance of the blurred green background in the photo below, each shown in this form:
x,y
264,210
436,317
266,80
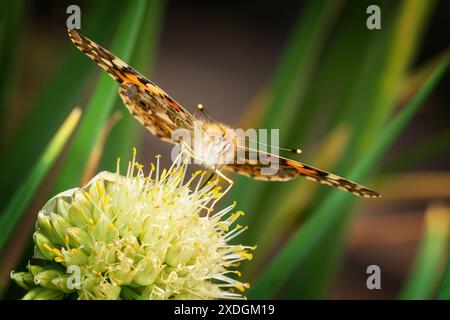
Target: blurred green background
x,y
371,105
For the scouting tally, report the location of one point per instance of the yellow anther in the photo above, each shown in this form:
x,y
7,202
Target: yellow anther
x,y
91,222
87,195
58,259
134,152
56,252
242,287
99,188
224,227
246,255
47,247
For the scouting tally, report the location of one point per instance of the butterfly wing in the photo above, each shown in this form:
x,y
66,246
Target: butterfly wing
x,y
289,169
154,108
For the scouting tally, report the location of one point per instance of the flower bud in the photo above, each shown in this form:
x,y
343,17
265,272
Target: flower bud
x,y
147,270
102,257
178,254
104,229
45,226
44,246
106,291
122,273
62,208
60,225
79,214
75,257
43,294
78,238
23,279
45,278
34,269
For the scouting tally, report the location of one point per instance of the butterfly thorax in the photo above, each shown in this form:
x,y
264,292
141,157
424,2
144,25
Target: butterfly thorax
x,y
214,144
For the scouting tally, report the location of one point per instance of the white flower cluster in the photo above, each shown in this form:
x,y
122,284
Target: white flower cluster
x,y
137,237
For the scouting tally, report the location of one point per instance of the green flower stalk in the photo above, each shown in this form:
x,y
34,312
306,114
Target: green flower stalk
x,y
137,237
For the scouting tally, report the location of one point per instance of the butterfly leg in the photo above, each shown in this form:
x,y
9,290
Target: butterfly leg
x,y
207,180
230,185
187,148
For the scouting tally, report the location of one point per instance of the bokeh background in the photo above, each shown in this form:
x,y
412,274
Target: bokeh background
x,y
310,68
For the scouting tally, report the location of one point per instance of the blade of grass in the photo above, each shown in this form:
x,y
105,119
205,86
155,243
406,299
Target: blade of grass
x,y
289,85
444,293
413,81
54,101
11,16
101,102
332,85
124,136
373,100
97,151
294,204
330,212
379,86
428,266
420,152
337,75
19,202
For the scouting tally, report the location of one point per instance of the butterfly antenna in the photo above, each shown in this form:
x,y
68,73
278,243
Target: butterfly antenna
x,y
290,150
202,109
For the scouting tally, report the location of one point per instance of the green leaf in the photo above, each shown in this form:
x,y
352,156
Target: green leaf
x,y
289,86
330,212
11,17
54,101
420,152
444,293
124,136
427,268
329,100
102,100
372,101
21,199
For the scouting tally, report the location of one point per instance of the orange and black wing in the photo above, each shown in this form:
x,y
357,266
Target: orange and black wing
x,y
289,169
148,103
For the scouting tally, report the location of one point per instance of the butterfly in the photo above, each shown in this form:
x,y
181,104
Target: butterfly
x,y
162,116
